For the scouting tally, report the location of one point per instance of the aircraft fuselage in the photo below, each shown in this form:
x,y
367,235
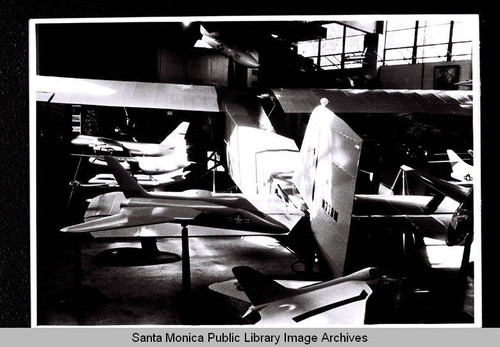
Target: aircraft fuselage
x,y
239,56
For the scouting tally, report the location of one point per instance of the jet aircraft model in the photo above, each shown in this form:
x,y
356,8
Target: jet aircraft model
x,y
137,207
211,40
150,158
147,181
341,300
106,145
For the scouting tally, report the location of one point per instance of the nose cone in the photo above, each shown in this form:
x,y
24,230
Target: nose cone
x,y
249,61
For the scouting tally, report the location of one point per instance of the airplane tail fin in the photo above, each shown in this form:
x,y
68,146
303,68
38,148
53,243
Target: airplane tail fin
x,y
326,178
460,169
176,137
204,31
127,183
259,288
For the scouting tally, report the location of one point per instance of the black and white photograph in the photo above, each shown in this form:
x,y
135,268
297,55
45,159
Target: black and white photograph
x,y
269,171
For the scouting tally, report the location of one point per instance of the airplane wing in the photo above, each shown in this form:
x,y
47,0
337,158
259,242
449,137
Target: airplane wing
x,y
100,144
340,301
448,102
342,304
65,90
147,181
394,205
233,289
132,217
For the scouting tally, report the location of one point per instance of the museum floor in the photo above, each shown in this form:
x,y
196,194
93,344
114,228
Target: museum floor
x,y
153,294
128,295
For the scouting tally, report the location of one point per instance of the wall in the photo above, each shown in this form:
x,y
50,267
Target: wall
x,y
419,76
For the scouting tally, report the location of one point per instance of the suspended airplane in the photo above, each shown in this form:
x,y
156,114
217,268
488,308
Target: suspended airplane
x,y
212,41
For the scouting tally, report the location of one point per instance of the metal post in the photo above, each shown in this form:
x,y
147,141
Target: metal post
x,y
186,267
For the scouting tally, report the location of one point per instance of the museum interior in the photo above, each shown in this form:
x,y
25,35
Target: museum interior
x,y
162,211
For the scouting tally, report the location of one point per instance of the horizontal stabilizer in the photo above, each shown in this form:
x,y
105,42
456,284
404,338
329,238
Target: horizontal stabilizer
x,y
104,205
259,288
202,44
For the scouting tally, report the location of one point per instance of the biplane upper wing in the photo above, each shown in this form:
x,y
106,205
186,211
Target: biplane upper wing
x,y
66,90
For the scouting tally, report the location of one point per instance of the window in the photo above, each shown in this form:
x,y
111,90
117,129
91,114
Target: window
x,y
412,42
342,48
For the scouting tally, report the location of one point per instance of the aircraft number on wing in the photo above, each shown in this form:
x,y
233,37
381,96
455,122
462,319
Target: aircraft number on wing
x,y
329,210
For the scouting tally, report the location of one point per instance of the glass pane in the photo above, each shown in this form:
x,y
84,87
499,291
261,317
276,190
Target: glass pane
x,y
437,51
403,38
400,24
353,32
329,62
398,54
307,48
463,31
430,34
354,44
334,30
332,46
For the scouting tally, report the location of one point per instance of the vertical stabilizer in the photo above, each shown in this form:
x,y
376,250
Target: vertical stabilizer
x,y
127,183
177,137
326,178
460,169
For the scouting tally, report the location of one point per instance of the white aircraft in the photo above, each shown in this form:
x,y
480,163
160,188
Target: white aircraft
x,y
341,300
150,158
212,41
137,207
168,146
146,181
461,171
